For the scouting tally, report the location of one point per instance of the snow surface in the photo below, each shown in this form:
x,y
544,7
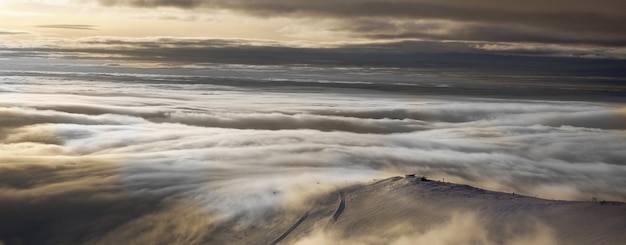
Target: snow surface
x,y
407,210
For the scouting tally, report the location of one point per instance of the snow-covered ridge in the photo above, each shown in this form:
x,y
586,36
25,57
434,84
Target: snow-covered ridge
x,y
412,210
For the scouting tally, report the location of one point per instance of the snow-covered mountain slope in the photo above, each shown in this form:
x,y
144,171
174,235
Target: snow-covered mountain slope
x,y
409,210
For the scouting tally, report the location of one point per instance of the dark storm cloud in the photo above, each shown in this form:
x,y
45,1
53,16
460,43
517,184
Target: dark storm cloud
x,y
71,27
582,19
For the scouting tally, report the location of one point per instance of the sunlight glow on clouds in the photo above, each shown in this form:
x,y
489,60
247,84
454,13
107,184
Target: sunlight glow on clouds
x,y
488,21
208,122
221,133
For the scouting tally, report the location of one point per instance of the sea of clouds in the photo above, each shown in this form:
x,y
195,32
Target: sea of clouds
x,y
91,159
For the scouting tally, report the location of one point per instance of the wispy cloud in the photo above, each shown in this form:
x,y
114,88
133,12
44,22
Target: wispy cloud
x,y
72,27
10,32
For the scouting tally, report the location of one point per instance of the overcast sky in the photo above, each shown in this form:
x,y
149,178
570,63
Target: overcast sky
x,y
566,38
319,23
120,119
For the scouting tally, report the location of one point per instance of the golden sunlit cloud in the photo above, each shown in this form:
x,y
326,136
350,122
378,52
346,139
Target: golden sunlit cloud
x,y
285,122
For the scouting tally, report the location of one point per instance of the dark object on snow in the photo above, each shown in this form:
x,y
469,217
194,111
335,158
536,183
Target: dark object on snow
x,y
424,178
409,176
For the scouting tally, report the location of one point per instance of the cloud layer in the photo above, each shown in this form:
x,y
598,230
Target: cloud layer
x,y
546,22
582,65
145,152
71,27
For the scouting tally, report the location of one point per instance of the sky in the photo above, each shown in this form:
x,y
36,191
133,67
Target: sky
x,y
558,22
122,119
545,28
